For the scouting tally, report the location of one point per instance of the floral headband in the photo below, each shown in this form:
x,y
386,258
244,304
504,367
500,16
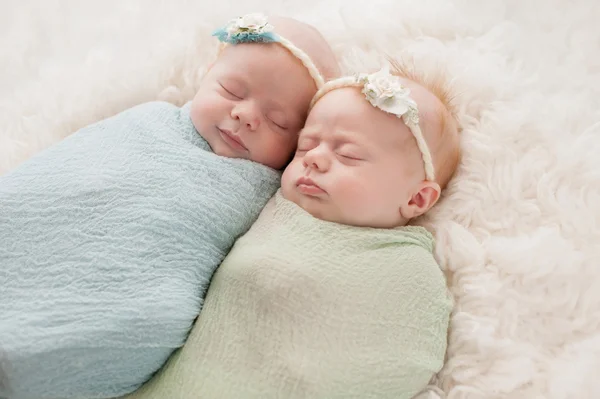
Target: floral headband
x,y
385,91
255,28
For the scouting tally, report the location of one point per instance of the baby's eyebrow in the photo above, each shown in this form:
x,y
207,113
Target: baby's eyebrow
x,y
344,137
232,78
309,132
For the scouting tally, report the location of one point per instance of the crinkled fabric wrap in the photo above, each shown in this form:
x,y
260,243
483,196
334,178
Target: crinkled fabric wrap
x,y
108,241
303,308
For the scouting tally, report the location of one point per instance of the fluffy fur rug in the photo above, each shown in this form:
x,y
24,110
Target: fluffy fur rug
x,y
518,230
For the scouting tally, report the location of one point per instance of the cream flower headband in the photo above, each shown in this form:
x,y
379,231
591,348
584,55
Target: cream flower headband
x,y
385,91
255,28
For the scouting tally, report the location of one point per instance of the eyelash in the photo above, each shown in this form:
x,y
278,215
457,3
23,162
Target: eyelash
x,y
229,92
347,158
350,158
278,125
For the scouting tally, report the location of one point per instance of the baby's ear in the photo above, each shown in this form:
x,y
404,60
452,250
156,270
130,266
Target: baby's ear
x,y
424,198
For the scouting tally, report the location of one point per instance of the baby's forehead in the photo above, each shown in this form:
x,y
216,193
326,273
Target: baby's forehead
x,y
253,55
348,110
349,105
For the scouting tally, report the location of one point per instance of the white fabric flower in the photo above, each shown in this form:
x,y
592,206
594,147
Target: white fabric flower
x,y
384,91
251,23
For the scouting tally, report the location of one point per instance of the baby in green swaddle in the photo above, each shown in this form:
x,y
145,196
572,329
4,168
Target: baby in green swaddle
x,y
330,294
376,163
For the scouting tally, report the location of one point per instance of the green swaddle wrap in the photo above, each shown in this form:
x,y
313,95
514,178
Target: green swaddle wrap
x,y
303,308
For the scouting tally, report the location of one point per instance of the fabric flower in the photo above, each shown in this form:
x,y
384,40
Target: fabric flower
x,y
384,91
251,28
252,23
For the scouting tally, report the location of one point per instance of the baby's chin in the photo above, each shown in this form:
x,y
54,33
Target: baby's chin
x,y
330,212
323,208
317,208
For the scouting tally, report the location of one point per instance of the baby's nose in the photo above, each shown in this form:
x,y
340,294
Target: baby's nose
x,y
252,122
317,159
248,114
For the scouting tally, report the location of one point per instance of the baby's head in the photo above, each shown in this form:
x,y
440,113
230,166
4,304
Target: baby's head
x,y
357,164
254,99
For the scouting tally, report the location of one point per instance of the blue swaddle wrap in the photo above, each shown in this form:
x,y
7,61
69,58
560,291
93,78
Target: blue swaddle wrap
x,y
108,241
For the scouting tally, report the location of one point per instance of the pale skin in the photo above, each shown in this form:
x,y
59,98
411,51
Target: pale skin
x,y
358,165
253,101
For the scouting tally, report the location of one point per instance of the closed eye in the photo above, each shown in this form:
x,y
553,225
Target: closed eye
x,y
302,150
349,153
306,144
279,126
350,157
230,92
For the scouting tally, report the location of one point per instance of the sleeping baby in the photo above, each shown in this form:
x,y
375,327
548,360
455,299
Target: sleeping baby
x,y
330,294
108,240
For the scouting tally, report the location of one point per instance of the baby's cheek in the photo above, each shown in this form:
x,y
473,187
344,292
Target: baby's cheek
x,y
355,190
278,149
290,175
203,108
350,181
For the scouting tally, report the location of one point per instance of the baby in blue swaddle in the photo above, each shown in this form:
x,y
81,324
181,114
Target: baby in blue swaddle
x,y
108,240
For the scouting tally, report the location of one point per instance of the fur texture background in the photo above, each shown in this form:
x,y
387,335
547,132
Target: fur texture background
x,y
518,229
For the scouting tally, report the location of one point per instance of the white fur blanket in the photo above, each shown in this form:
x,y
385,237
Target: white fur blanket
x,y
518,230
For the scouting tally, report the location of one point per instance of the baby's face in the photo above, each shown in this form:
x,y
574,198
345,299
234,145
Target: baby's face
x,y
355,164
253,102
